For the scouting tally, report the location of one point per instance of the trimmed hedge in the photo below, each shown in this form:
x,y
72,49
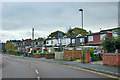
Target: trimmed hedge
x,y
50,53
39,53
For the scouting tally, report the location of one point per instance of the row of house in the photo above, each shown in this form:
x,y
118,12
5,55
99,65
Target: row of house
x,y
52,44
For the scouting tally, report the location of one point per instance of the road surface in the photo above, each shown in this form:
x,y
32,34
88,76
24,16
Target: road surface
x,y
15,67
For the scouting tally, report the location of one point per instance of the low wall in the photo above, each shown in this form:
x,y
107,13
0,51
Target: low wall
x,y
58,55
111,59
69,54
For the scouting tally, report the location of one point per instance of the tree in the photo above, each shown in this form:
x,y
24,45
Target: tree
x,y
76,31
40,38
3,48
117,31
69,32
117,43
90,31
55,34
109,44
9,46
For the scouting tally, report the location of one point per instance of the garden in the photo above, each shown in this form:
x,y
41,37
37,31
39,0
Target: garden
x,y
45,55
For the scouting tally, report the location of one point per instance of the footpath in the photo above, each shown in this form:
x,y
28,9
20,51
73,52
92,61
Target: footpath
x,y
112,70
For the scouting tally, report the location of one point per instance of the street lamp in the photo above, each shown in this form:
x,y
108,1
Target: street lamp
x,y
81,10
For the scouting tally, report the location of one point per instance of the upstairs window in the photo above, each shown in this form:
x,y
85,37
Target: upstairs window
x,y
51,42
102,36
81,39
90,38
73,40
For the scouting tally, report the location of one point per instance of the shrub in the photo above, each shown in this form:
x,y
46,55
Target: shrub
x,y
109,44
91,51
50,53
36,53
15,51
94,58
39,53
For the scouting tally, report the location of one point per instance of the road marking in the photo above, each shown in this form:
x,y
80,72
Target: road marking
x,y
36,71
32,66
92,71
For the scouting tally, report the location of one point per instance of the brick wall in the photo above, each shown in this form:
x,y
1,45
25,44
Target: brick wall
x,y
69,54
87,57
111,59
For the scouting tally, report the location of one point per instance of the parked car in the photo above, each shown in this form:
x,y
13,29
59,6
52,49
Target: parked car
x,y
45,52
98,52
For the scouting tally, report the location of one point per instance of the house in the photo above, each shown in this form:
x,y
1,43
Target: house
x,y
38,44
111,31
24,45
78,40
97,38
66,41
51,44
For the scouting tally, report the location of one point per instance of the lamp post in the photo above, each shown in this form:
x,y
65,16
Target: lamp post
x,y
81,10
32,41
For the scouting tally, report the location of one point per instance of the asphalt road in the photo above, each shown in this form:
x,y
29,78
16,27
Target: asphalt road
x,y
14,67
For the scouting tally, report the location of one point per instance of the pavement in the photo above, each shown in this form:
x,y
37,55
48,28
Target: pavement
x,y
112,70
24,67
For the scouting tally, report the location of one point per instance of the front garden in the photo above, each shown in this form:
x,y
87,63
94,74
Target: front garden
x,y
45,55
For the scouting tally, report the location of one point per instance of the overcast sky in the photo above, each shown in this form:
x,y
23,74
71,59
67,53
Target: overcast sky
x,y
18,18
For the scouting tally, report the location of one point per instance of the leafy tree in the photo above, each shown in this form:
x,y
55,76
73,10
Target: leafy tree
x,y
117,43
90,31
118,31
69,32
55,34
3,48
76,31
109,44
40,38
9,46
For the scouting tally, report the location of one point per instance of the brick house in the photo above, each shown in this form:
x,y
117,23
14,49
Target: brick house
x,y
97,38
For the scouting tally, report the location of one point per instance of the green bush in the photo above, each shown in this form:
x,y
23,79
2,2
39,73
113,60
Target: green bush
x,y
94,58
91,52
39,53
36,53
50,53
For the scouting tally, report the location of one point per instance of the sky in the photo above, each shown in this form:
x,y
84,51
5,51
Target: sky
x,y
18,18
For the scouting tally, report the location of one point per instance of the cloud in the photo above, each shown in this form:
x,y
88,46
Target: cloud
x,y
46,17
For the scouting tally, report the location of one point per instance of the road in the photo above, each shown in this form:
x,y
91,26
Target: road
x,y
14,67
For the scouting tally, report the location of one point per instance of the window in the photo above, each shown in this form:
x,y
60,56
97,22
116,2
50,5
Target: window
x,y
51,42
90,38
73,40
102,36
81,39
64,41
47,42
36,43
